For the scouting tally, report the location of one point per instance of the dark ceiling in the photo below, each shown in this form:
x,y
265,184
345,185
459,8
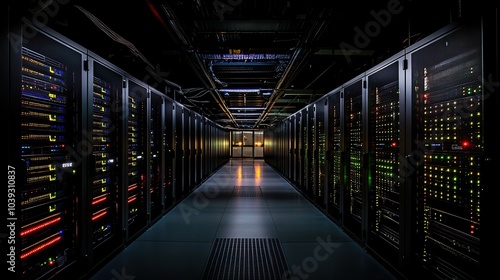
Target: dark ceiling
x,y
246,63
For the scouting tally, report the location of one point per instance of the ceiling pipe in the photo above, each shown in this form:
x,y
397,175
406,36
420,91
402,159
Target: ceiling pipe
x,y
288,75
201,70
213,91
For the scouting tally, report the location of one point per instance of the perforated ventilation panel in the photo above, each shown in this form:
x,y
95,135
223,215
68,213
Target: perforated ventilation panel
x,y
246,259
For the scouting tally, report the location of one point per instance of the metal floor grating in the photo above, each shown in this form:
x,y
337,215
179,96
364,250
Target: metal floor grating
x,y
246,259
247,191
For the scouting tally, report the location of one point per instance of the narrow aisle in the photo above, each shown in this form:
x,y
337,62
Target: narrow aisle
x,y
244,222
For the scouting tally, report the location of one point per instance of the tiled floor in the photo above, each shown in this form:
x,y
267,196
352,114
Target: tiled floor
x,y
244,199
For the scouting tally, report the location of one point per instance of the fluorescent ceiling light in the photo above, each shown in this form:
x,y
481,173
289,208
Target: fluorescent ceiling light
x,y
246,114
239,90
247,108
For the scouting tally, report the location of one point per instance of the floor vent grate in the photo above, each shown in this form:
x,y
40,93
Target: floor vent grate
x,y
246,259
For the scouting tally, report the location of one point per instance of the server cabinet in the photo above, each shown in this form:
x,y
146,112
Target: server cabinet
x,y
320,154
46,167
305,140
287,149
385,217
311,160
169,153
353,173
197,149
447,97
192,150
215,147
178,136
281,148
334,156
298,149
215,159
208,149
202,141
293,150
135,202
186,148
156,152
104,190
218,147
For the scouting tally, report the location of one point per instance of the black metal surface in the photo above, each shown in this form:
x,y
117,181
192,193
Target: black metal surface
x,y
246,259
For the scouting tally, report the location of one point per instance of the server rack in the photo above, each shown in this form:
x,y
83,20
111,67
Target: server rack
x,y
47,165
136,198
197,150
352,151
208,151
105,134
283,148
310,179
320,154
186,148
192,150
208,142
225,145
169,195
385,196
179,153
293,150
189,148
215,146
334,156
211,145
298,148
201,149
448,126
286,148
304,150
156,154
